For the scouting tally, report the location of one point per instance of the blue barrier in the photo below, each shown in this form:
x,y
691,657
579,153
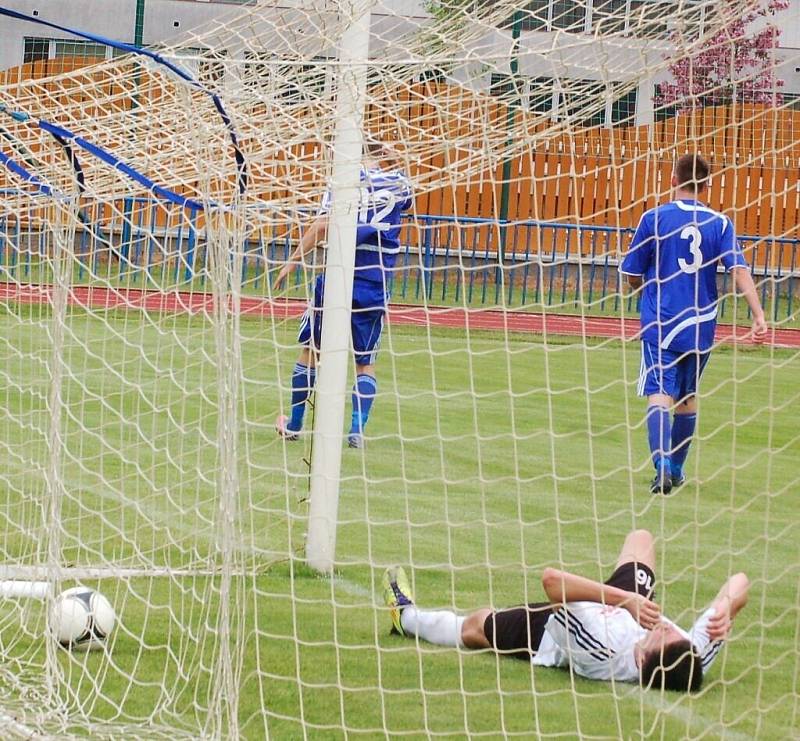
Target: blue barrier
x,y
444,259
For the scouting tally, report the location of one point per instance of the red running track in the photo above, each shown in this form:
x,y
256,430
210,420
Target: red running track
x,y
97,297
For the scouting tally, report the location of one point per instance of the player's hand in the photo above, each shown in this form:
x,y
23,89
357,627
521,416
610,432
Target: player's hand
x,y
759,328
644,611
719,626
283,274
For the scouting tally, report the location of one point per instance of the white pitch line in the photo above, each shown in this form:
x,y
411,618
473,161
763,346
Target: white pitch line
x,y
690,716
43,573
352,587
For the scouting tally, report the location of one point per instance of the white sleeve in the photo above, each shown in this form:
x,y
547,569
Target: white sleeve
x,y
707,648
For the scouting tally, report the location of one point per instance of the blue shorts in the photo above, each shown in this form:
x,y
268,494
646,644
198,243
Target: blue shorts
x,y
366,320
675,374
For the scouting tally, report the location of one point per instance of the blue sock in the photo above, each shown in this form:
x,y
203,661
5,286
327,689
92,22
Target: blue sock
x,y
303,379
364,391
682,431
658,435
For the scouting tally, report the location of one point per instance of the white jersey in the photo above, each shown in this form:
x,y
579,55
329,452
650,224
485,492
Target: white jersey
x,y
598,641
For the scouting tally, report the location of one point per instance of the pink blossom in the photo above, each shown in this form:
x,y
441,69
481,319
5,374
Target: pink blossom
x,y
731,66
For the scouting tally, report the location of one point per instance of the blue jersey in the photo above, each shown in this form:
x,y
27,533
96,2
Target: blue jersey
x,y
676,249
385,194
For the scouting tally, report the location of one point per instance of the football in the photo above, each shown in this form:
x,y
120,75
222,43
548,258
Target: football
x,y
82,618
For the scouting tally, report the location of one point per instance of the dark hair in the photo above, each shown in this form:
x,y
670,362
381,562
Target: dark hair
x,y
676,667
381,151
692,172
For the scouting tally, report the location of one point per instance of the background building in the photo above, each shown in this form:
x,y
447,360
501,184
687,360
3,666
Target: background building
x,y
556,81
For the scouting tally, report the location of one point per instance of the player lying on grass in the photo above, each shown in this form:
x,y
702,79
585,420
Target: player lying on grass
x,y
611,630
675,253
385,194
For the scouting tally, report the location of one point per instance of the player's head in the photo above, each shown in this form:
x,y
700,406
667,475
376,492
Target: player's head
x,y
691,173
380,152
669,661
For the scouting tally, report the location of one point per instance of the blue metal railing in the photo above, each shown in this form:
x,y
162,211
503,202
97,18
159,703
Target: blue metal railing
x,y
558,264
444,259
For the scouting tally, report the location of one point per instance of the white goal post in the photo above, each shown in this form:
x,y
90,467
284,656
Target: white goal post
x,y
340,261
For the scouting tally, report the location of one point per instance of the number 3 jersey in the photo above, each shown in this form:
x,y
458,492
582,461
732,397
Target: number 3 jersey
x,y
384,195
676,249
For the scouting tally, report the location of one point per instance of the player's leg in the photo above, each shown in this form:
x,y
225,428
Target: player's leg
x,y
684,422
440,627
636,564
367,326
685,419
364,390
516,632
639,546
473,631
304,374
656,379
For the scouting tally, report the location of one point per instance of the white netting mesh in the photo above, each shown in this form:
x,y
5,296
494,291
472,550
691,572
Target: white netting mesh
x,y
145,355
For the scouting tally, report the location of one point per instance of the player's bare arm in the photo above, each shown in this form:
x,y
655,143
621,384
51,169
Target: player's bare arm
x,y
747,288
731,598
562,586
635,281
315,234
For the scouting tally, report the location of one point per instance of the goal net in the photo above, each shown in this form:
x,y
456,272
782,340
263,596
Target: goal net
x,y
147,200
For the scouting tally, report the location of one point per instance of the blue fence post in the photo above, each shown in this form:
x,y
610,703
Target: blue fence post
x,y
790,281
777,280
15,251
406,262
151,240
446,257
127,231
191,243
501,249
765,275
527,265
427,263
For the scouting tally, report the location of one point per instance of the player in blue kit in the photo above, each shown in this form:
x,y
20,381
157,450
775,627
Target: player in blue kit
x,y
385,195
674,254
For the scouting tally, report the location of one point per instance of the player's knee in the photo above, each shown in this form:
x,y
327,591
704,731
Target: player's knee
x,y
472,631
642,535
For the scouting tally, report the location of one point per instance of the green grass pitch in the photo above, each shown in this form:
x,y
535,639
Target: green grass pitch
x,y
489,457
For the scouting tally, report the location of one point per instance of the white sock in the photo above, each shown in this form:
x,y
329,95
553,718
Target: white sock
x,y
441,627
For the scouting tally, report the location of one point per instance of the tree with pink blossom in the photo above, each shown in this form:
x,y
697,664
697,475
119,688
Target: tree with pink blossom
x,y
736,64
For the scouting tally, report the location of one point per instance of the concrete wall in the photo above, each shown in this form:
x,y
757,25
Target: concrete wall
x,y
165,20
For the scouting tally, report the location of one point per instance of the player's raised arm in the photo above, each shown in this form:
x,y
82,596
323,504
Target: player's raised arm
x,y
747,288
312,236
731,598
562,587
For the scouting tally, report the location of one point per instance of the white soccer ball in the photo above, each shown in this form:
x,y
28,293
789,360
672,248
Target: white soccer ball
x,y
82,618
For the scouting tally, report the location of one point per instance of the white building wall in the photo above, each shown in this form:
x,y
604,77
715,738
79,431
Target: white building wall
x,y
164,20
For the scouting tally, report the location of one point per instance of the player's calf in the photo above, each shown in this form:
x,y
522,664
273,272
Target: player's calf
x,y
364,390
